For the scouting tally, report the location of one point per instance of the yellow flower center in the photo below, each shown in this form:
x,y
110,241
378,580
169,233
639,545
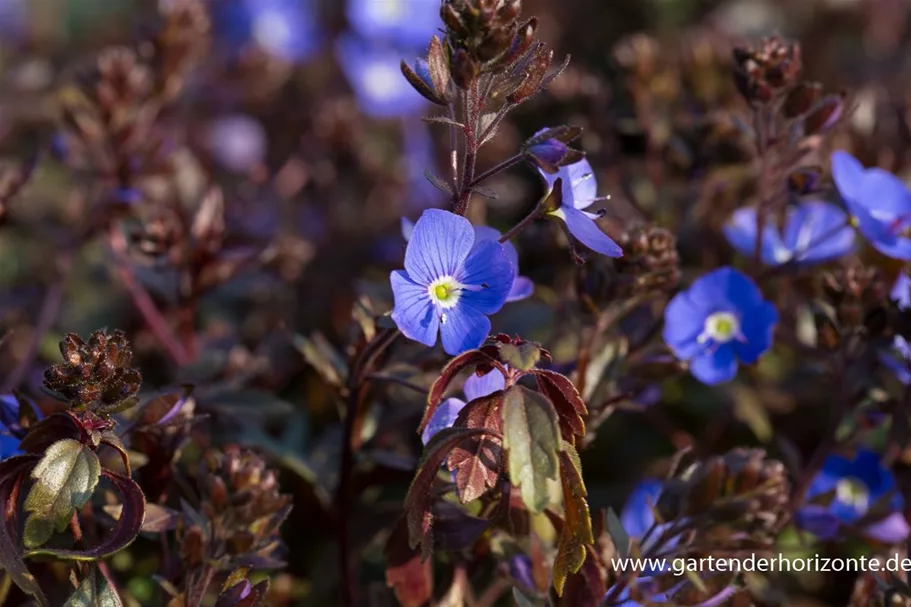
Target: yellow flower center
x,y
853,492
445,292
720,327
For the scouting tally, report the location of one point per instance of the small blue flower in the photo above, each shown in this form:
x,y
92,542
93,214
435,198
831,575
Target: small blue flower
x,y
580,191
449,285
898,360
814,232
901,291
11,432
448,411
637,517
375,75
522,286
856,485
287,29
721,318
879,203
405,22
237,141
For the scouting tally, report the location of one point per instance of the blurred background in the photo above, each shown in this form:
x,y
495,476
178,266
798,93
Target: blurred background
x,y
295,111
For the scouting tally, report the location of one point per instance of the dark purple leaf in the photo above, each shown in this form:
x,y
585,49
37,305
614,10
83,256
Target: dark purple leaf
x,y
51,429
12,471
566,400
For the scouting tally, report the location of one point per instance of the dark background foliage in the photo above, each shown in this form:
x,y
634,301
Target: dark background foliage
x,y
318,221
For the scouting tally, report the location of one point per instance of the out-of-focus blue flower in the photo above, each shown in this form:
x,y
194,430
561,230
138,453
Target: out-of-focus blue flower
x,y
287,29
522,286
448,411
579,191
13,19
879,203
637,516
856,485
405,22
520,571
237,141
449,285
374,73
720,319
11,431
814,232
898,360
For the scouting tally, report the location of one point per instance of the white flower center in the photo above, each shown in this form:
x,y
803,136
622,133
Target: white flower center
x,y
853,492
272,31
381,80
445,293
386,11
720,327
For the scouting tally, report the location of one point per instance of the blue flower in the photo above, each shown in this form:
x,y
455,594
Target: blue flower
x,y
579,191
637,517
899,359
522,286
721,318
11,432
287,29
449,285
879,203
375,75
855,486
237,141
13,19
405,22
448,411
814,232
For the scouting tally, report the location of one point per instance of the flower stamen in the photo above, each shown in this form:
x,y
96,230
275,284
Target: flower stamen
x,y
853,492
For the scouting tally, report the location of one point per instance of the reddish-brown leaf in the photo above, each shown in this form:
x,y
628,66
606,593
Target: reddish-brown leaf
x,y
12,471
576,531
419,500
457,364
477,461
50,430
410,578
566,400
586,587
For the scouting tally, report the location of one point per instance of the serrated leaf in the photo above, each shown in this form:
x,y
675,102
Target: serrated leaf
x,y
585,588
419,501
531,437
12,471
94,591
124,532
65,480
567,402
523,356
322,356
477,460
447,374
576,532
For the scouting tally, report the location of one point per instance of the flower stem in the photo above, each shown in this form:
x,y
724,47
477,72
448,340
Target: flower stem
x,y
526,221
497,169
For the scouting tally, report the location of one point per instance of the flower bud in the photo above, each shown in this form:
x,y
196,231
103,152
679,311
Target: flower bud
x,y
464,69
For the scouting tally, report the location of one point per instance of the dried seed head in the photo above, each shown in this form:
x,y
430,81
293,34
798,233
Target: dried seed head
x,y
763,71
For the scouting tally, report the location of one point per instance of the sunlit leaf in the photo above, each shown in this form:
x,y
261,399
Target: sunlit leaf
x,y
94,591
322,356
532,440
586,587
566,401
65,480
452,368
409,576
522,356
576,532
477,460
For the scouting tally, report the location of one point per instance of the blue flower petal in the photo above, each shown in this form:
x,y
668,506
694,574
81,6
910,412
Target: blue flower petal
x,y
413,311
490,382
817,232
406,22
637,516
684,322
715,367
9,446
740,232
439,244
522,288
489,276
901,291
407,227
817,520
465,328
444,416
848,174
884,195
758,330
725,289
579,185
374,74
584,228
890,530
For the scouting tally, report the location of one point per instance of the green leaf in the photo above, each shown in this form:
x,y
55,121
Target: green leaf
x,y
531,436
523,357
94,591
617,534
65,480
322,356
